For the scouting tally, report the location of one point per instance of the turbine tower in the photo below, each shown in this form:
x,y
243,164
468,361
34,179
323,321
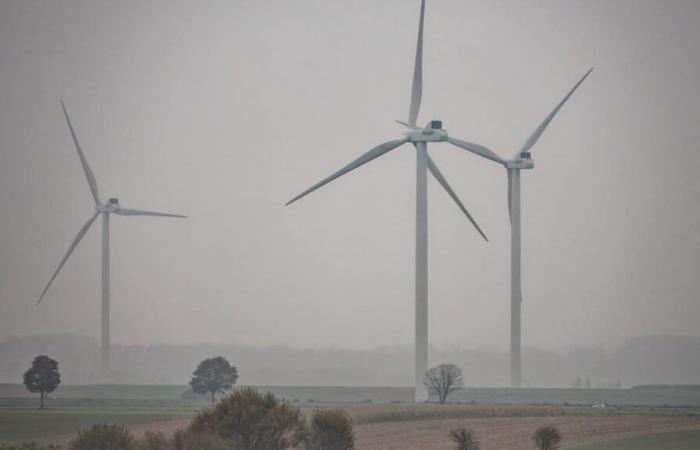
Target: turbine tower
x,y
419,137
111,207
520,161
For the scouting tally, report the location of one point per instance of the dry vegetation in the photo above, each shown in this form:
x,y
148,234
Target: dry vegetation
x,y
511,433
411,427
427,426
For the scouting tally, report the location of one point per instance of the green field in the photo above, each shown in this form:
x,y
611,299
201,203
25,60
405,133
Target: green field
x,y
30,424
678,440
658,397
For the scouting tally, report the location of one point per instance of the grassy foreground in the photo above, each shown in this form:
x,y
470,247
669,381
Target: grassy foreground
x,y
677,440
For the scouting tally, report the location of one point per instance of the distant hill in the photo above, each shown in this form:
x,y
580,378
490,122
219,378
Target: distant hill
x,y
640,361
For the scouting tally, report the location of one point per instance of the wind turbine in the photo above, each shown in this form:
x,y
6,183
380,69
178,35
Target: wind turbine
x,y
520,161
111,207
419,137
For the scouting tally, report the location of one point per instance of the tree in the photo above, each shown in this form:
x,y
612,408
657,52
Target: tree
x,y
547,438
214,376
443,380
43,377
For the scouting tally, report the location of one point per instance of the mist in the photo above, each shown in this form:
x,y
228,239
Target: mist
x,y
225,110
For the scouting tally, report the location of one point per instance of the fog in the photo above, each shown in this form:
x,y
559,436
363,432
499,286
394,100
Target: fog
x,y
224,110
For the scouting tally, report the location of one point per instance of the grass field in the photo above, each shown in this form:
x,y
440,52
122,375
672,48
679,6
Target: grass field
x,y
658,397
29,424
679,440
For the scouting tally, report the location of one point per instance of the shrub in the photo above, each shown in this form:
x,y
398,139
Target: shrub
x,y
27,446
188,440
152,440
465,439
331,429
250,420
547,438
103,437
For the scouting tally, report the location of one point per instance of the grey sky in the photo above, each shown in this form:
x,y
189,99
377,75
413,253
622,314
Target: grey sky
x,y
223,110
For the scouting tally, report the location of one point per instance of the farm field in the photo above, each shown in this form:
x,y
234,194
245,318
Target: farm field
x,y
20,424
654,396
378,426
514,433
384,417
679,440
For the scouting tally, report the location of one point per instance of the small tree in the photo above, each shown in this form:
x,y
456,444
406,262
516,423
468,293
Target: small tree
x,y
214,376
465,439
43,377
331,429
547,438
443,380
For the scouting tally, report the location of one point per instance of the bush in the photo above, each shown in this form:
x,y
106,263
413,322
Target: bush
x,y
188,440
152,440
465,439
249,420
547,438
27,446
103,437
331,429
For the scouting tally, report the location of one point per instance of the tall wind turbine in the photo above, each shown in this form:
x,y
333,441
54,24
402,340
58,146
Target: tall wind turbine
x,y
522,160
111,207
419,137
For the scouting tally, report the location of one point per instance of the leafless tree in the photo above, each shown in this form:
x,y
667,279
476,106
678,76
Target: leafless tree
x,y
443,380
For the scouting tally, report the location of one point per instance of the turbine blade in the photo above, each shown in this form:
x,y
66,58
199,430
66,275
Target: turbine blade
x,y
376,152
86,167
441,179
408,125
532,140
476,149
417,87
74,244
138,212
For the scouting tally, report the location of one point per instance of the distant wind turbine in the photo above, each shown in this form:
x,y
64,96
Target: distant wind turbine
x,y
111,207
521,160
419,137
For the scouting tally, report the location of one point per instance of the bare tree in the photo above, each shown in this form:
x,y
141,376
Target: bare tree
x,y
443,380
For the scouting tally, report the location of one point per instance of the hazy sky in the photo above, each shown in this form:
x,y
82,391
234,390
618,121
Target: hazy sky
x,y
223,110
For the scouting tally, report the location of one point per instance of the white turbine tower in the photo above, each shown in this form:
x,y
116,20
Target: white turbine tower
x,y
111,207
518,162
419,137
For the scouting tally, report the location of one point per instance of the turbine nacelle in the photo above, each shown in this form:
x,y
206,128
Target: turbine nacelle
x,y
520,162
432,132
112,205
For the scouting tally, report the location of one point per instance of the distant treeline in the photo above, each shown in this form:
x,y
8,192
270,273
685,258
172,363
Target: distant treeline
x,y
639,361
